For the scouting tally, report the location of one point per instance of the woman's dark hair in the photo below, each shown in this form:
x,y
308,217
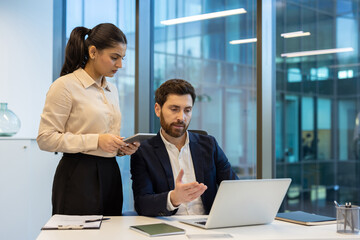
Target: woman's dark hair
x,y
174,86
102,36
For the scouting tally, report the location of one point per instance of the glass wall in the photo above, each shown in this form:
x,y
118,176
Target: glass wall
x,y
223,74
89,13
317,86
317,103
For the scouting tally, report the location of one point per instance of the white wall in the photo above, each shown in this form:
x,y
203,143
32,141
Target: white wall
x,y
26,28
25,188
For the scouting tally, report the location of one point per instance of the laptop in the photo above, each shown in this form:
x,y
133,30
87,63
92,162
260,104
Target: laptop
x,y
244,202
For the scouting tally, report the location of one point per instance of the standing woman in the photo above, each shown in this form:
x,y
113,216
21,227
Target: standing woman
x,y
81,118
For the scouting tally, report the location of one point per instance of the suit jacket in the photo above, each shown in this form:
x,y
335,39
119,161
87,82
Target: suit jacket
x,y
153,178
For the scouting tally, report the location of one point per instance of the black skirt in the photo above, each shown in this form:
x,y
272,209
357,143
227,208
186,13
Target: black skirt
x,y
86,184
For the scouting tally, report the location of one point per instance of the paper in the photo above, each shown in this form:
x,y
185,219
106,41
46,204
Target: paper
x,y
59,221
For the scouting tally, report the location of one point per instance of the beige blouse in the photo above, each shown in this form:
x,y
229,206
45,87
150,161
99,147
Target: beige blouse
x,y
76,111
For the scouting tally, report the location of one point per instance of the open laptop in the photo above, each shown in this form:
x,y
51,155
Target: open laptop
x,y
244,202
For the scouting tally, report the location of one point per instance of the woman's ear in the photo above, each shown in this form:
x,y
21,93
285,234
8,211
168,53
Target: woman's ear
x,y
92,52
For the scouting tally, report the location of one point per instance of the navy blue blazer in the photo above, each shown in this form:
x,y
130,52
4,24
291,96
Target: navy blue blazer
x,y
153,178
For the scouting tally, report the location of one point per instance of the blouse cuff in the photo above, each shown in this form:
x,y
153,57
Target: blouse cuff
x,y
91,142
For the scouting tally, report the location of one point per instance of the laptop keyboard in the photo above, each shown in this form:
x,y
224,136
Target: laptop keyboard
x,y
202,222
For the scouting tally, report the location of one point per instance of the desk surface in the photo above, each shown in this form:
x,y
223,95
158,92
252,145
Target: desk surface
x,y
118,228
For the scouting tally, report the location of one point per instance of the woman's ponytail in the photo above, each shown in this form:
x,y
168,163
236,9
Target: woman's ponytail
x,y
76,54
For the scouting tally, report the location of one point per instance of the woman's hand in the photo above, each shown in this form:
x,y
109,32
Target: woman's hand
x,y
110,142
130,148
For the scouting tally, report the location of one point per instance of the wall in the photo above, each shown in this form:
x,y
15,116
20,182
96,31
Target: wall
x,y
26,49
26,29
25,184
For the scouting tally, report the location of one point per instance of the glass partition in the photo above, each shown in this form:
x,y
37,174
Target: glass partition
x,y
317,87
222,72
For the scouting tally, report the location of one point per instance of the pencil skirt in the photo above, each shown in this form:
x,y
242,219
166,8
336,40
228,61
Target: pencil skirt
x,y
85,184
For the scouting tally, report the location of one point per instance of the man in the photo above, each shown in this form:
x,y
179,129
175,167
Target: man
x,y
197,161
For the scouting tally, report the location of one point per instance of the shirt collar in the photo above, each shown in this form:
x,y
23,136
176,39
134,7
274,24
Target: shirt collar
x,y
87,81
169,144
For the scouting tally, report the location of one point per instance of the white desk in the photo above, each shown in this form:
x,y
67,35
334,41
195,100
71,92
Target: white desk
x,y
118,228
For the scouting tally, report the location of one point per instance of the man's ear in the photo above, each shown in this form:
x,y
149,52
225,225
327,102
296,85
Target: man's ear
x,y
157,109
92,52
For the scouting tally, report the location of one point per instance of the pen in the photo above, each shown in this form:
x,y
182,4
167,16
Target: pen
x,y
96,220
352,218
346,221
345,216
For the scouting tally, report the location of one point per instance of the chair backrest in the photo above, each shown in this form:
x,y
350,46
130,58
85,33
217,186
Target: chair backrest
x,y
202,132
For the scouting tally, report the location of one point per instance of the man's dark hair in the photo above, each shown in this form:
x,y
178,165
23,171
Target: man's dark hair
x,y
174,86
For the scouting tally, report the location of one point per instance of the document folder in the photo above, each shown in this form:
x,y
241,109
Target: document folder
x,y
73,222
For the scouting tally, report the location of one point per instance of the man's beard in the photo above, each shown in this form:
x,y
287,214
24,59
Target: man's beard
x,y
173,132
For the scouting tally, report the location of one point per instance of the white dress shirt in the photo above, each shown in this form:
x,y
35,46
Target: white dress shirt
x,y
182,160
76,111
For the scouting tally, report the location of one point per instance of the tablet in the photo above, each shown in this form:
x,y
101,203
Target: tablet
x,y
139,137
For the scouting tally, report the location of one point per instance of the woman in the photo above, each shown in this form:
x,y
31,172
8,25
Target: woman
x,y
81,118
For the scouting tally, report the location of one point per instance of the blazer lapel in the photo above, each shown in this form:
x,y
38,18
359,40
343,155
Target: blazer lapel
x,y
163,158
196,158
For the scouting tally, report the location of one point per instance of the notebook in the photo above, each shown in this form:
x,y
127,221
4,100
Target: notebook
x,y
305,218
157,229
244,202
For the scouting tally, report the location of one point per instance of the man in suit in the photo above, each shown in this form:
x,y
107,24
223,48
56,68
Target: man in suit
x,y
197,161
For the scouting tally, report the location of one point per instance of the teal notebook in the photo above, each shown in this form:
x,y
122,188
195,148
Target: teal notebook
x,y
157,229
305,218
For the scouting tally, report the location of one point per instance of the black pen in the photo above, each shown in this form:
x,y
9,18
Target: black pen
x,y
96,220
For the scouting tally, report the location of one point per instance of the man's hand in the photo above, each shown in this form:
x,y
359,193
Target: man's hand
x,y
185,192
